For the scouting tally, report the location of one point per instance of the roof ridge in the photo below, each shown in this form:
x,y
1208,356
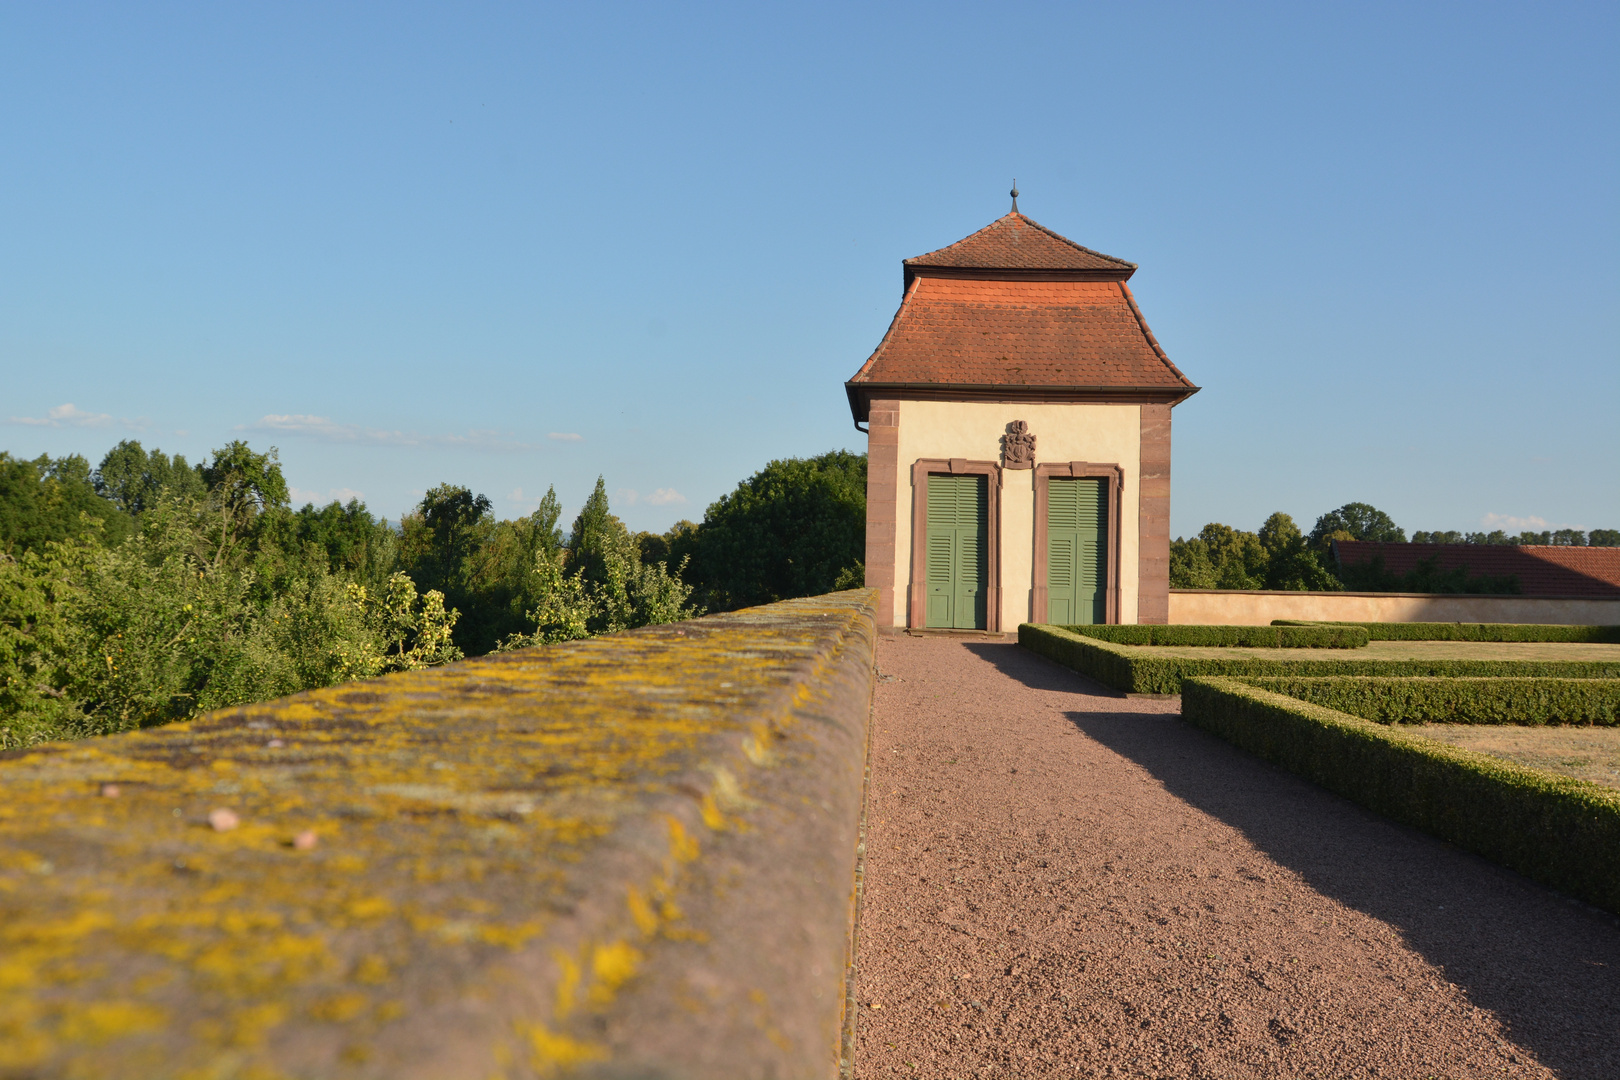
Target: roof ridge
x,y
988,248
1059,236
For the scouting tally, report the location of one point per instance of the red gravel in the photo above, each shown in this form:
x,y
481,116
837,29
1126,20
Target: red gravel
x,y
1064,882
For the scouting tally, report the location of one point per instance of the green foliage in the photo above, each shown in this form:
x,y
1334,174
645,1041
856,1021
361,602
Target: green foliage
x,y
1290,562
484,567
1138,671
1519,702
1559,831
1425,577
795,528
47,499
1221,557
1253,637
600,584
1426,631
1357,521
1552,537
170,623
353,542
133,480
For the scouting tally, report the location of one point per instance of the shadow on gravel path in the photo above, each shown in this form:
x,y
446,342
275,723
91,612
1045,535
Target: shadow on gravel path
x,y
1547,965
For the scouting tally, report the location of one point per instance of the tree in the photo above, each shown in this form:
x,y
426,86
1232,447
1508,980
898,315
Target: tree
x,y
1604,538
45,500
795,528
351,540
1290,561
1221,557
243,488
600,583
97,639
1360,521
132,479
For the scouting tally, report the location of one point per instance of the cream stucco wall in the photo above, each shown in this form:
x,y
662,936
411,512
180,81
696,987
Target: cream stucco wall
x,y
1233,608
1103,434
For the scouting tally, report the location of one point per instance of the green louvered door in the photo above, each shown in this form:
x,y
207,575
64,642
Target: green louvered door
x,y
958,567
1076,535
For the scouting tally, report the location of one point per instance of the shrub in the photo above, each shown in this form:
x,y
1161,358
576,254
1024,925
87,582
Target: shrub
x,y
1139,672
1559,831
1583,635
1423,700
1254,637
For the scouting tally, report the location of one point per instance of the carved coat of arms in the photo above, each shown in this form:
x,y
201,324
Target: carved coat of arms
x,y
1018,447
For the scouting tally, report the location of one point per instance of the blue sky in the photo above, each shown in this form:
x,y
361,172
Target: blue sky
x,y
511,246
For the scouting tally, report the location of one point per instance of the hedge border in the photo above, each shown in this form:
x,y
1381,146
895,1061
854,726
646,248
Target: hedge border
x,y
1302,636
1135,673
1517,702
1433,631
1556,830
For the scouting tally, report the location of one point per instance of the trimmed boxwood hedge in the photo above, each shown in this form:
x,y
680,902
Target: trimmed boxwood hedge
x,y
1441,631
1422,700
1254,637
1559,831
1141,673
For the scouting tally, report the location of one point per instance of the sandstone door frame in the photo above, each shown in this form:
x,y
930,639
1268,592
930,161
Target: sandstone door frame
x,y
917,594
1114,476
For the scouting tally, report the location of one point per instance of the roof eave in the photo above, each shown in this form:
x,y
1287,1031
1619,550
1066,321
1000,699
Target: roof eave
x,y
1007,273
861,393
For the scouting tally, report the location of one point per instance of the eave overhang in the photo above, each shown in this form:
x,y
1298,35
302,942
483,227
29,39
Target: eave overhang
x,y
860,394
993,273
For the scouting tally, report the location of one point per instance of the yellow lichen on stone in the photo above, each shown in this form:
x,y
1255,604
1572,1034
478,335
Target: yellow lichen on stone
x,y
553,1051
461,814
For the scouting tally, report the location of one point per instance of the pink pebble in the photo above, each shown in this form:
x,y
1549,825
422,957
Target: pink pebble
x,y
223,820
109,791
275,744
305,841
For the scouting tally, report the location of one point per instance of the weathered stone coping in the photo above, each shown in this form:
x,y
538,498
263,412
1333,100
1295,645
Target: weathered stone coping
x,y
627,857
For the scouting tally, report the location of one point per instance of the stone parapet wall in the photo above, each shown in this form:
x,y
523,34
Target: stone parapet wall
x,y
632,856
1220,607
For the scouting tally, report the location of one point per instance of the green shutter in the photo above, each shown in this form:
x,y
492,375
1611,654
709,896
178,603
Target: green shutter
x,y
1076,539
957,546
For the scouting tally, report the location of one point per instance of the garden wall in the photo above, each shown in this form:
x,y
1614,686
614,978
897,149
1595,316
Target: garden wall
x,y
631,856
1255,608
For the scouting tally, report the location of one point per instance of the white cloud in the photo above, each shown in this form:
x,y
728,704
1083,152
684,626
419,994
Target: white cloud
x,y
326,429
665,497
1509,523
565,436
68,415
523,504
626,496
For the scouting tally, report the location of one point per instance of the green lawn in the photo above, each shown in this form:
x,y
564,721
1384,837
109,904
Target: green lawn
x,y
1585,753
1394,650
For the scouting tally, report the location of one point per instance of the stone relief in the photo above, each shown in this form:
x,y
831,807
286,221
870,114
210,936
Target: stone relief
x,y
1018,447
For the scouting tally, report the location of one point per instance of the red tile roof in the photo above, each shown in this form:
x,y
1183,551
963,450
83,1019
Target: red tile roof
x,y
1584,572
1077,335
1015,242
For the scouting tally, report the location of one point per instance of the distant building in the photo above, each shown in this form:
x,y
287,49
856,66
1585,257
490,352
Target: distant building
x,y
1018,419
1543,572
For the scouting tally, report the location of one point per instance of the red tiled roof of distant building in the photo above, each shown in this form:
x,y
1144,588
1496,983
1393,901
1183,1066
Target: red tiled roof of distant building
x,y
1014,242
1576,572
1069,334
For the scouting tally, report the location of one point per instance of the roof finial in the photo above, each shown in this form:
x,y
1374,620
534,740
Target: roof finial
x,y
1015,195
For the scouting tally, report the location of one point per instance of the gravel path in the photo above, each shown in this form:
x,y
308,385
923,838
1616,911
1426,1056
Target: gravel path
x,y
1064,882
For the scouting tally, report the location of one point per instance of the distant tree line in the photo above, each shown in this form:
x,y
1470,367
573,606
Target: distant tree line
x,y
149,589
1280,557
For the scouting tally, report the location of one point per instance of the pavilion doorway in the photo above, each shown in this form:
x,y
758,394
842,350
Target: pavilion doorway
x,y
958,552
